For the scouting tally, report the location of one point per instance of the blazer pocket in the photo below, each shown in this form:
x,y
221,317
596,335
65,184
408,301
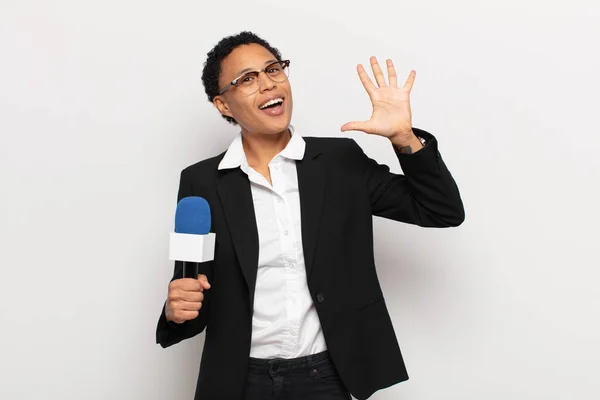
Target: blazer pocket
x,y
370,302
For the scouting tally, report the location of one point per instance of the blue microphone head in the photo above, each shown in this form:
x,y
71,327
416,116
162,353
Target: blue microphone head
x,y
192,216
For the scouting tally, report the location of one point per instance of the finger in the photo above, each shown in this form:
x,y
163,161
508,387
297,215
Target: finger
x,y
177,295
203,279
189,305
363,126
377,72
189,284
391,73
364,78
191,296
411,80
181,316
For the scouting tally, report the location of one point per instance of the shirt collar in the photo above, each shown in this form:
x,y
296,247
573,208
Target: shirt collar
x,y
236,157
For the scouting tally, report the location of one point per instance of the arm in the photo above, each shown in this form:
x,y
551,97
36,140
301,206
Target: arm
x,y
169,332
426,195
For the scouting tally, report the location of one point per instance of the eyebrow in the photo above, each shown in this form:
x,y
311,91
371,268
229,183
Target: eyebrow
x,y
250,69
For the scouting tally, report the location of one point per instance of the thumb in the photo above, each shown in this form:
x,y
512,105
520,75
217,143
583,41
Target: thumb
x,y
204,281
356,126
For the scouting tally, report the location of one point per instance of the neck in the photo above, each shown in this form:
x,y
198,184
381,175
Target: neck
x,y
260,149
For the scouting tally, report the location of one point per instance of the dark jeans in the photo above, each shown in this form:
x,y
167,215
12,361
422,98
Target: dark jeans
x,y
313,377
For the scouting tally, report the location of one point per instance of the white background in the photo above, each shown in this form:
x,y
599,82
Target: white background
x,y
101,106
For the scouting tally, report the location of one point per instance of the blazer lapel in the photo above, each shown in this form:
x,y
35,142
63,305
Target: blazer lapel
x,y
312,178
236,199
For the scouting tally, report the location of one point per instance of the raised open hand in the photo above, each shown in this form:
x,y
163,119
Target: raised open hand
x,y
391,116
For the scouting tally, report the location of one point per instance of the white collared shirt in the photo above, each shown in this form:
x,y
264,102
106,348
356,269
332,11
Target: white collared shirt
x,y
285,323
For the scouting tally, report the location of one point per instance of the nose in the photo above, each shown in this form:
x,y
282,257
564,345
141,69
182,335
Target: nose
x,y
264,82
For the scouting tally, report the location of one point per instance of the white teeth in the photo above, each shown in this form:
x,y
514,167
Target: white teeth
x,y
271,102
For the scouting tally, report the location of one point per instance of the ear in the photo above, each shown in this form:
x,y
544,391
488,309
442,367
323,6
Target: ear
x,y
222,106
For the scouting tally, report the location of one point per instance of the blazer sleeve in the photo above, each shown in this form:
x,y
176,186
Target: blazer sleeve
x,y
167,332
426,195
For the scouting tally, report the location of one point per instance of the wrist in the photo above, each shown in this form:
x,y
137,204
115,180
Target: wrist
x,y
407,143
401,138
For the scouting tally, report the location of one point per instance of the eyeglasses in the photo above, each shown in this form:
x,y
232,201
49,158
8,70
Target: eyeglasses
x,y
248,83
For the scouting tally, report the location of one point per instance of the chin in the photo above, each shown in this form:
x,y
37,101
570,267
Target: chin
x,y
273,127
282,127
268,125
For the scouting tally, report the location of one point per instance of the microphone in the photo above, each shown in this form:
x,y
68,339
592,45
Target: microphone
x,y
192,243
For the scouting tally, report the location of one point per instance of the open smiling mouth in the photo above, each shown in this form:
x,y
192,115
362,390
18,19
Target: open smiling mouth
x,y
273,107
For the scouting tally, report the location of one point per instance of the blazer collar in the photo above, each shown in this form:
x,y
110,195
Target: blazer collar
x,y
312,182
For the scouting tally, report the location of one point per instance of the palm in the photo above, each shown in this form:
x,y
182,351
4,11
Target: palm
x,y
391,105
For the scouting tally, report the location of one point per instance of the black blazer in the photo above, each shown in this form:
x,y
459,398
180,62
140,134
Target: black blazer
x,y
340,190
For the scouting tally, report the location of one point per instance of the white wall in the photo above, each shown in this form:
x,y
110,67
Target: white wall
x,y
101,106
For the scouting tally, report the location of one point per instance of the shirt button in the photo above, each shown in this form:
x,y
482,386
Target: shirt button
x,y
320,297
285,233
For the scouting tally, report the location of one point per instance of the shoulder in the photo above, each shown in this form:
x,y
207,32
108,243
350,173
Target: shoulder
x,y
205,168
334,145
328,141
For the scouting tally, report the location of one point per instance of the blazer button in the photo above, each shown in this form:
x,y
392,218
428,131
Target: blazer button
x,y
320,297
